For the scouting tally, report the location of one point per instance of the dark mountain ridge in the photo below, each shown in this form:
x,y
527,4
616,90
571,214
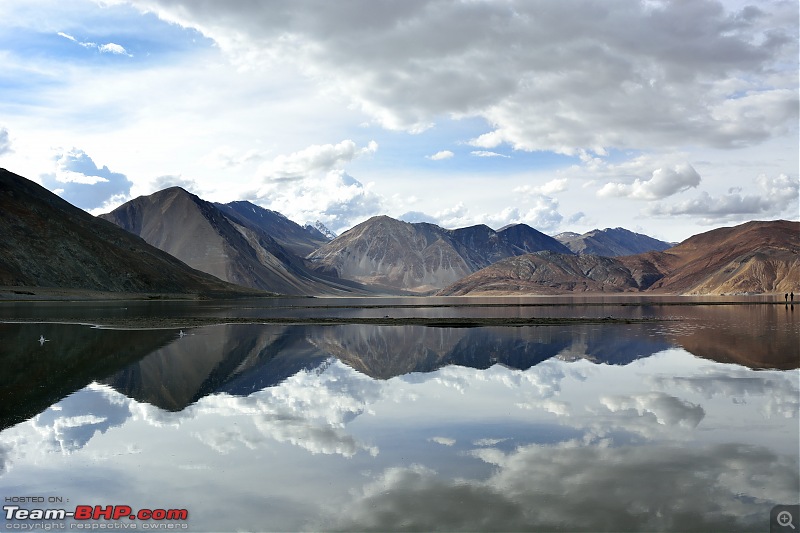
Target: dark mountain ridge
x,y
47,242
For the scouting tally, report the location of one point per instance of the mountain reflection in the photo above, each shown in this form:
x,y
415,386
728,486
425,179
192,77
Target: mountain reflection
x,y
500,429
36,375
241,359
238,359
170,371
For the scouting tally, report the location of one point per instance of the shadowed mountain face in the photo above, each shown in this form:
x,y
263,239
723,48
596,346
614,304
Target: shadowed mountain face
x,y
611,242
47,242
422,257
756,257
202,235
292,236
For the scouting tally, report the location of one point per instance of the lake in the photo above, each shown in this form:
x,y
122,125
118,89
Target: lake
x,y
619,413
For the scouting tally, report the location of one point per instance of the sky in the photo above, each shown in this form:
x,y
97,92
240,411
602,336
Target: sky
x,y
669,118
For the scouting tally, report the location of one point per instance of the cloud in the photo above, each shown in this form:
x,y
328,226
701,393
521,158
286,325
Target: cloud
x,y
108,48
489,442
310,185
79,181
164,182
5,462
314,159
439,156
227,157
776,195
667,410
606,75
664,182
737,384
484,153
551,187
113,48
5,142
309,410
77,418
546,488
417,216
336,199
542,212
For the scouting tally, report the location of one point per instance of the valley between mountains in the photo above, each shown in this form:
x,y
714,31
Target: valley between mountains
x,y
175,243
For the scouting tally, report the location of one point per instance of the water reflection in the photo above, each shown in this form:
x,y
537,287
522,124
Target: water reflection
x,y
565,446
240,359
171,371
35,375
288,428
574,487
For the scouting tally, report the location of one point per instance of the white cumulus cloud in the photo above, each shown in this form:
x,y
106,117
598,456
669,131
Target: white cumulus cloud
x,y
773,197
314,159
444,154
663,182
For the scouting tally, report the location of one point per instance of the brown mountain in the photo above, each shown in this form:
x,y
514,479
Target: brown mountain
x,y
206,238
547,273
46,242
756,257
422,257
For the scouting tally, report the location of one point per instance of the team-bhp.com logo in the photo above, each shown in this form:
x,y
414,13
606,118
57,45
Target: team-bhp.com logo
x,y
88,517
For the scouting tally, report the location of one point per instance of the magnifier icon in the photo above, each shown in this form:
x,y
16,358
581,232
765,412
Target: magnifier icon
x,y
784,519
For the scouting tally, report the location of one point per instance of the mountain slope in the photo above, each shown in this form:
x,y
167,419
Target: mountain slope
x,y
756,257
611,242
291,235
528,240
48,242
203,236
420,257
546,273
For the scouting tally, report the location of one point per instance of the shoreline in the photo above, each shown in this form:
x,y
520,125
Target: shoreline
x,y
11,294
472,322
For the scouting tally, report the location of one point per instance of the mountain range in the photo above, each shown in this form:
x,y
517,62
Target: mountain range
x,y
175,242
755,257
611,242
422,257
239,242
48,243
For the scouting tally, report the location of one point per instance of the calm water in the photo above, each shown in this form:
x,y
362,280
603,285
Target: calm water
x,y
688,423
